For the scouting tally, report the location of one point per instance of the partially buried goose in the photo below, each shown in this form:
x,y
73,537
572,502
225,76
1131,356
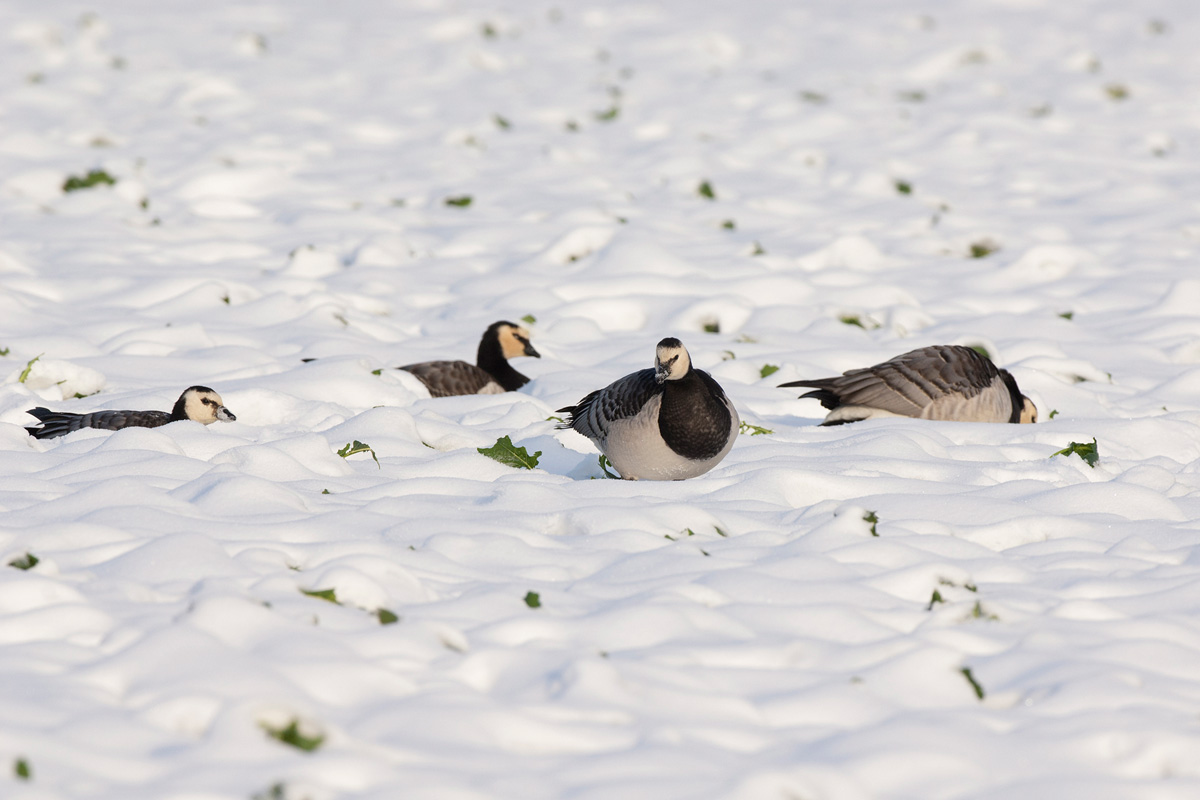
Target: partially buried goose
x,y
198,403
490,374
666,423
946,382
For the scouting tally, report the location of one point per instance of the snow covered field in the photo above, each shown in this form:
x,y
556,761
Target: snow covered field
x,y
810,186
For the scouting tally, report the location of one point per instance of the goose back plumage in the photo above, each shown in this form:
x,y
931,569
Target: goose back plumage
x,y
667,423
198,403
491,374
940,382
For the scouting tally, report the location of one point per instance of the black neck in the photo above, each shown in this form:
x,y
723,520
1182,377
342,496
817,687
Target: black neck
x,y
693,418
179,411
491,360
1014,395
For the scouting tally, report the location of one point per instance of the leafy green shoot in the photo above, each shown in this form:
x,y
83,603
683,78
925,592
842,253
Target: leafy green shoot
x,y
1054,413
291,735
720,532
983,248
387,617
754,430
902,186
29,368
852,319
609,114
328,595
533,600
604,465
966,671
936,597
356,447
872,518
729,225
705,190
377,371
768,370
529,319
4,351
1089,452
553,418
22,770
459,201
501,123
712,327
27,561
1067,315
506,452
95,177
978,613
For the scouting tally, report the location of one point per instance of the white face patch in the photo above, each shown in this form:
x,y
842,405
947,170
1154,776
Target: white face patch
x,y
671,362
206,408
513,341
1028,410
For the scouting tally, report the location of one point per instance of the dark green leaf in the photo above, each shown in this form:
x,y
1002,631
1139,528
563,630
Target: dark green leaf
x,y
712,327
1067,315
966,671
22,769
705,190
604,465
729,225
529,319
95,177
324,594
461,201
1054,413
387,617
358,447
768,370
983,248
506,452
291,735
1089,452
501,122
852,319
533,600
871,517
27,561
935,598
903,187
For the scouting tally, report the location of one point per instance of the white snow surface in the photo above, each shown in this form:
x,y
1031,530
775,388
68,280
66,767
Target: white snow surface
x,y
282,169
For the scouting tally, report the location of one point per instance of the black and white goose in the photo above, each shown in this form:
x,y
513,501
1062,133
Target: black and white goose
x,y
667,423
490,374
198,403
946,382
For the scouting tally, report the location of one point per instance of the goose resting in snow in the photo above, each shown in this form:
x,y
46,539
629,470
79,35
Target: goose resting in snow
x,y
490,374
947,382
198,403
667,423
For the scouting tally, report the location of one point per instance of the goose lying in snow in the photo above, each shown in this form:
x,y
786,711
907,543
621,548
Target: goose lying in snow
x,y
948,382
666,423
197,403
490,374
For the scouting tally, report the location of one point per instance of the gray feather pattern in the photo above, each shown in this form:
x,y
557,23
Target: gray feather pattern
x,y
450,378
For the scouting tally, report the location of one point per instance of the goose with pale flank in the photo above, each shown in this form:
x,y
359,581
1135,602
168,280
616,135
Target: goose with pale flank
x,y
669,422
943,382
490,374
197,403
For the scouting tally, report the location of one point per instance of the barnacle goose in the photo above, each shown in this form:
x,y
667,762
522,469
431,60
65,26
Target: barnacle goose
x,y
198,403
947,382
666,423
490,374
